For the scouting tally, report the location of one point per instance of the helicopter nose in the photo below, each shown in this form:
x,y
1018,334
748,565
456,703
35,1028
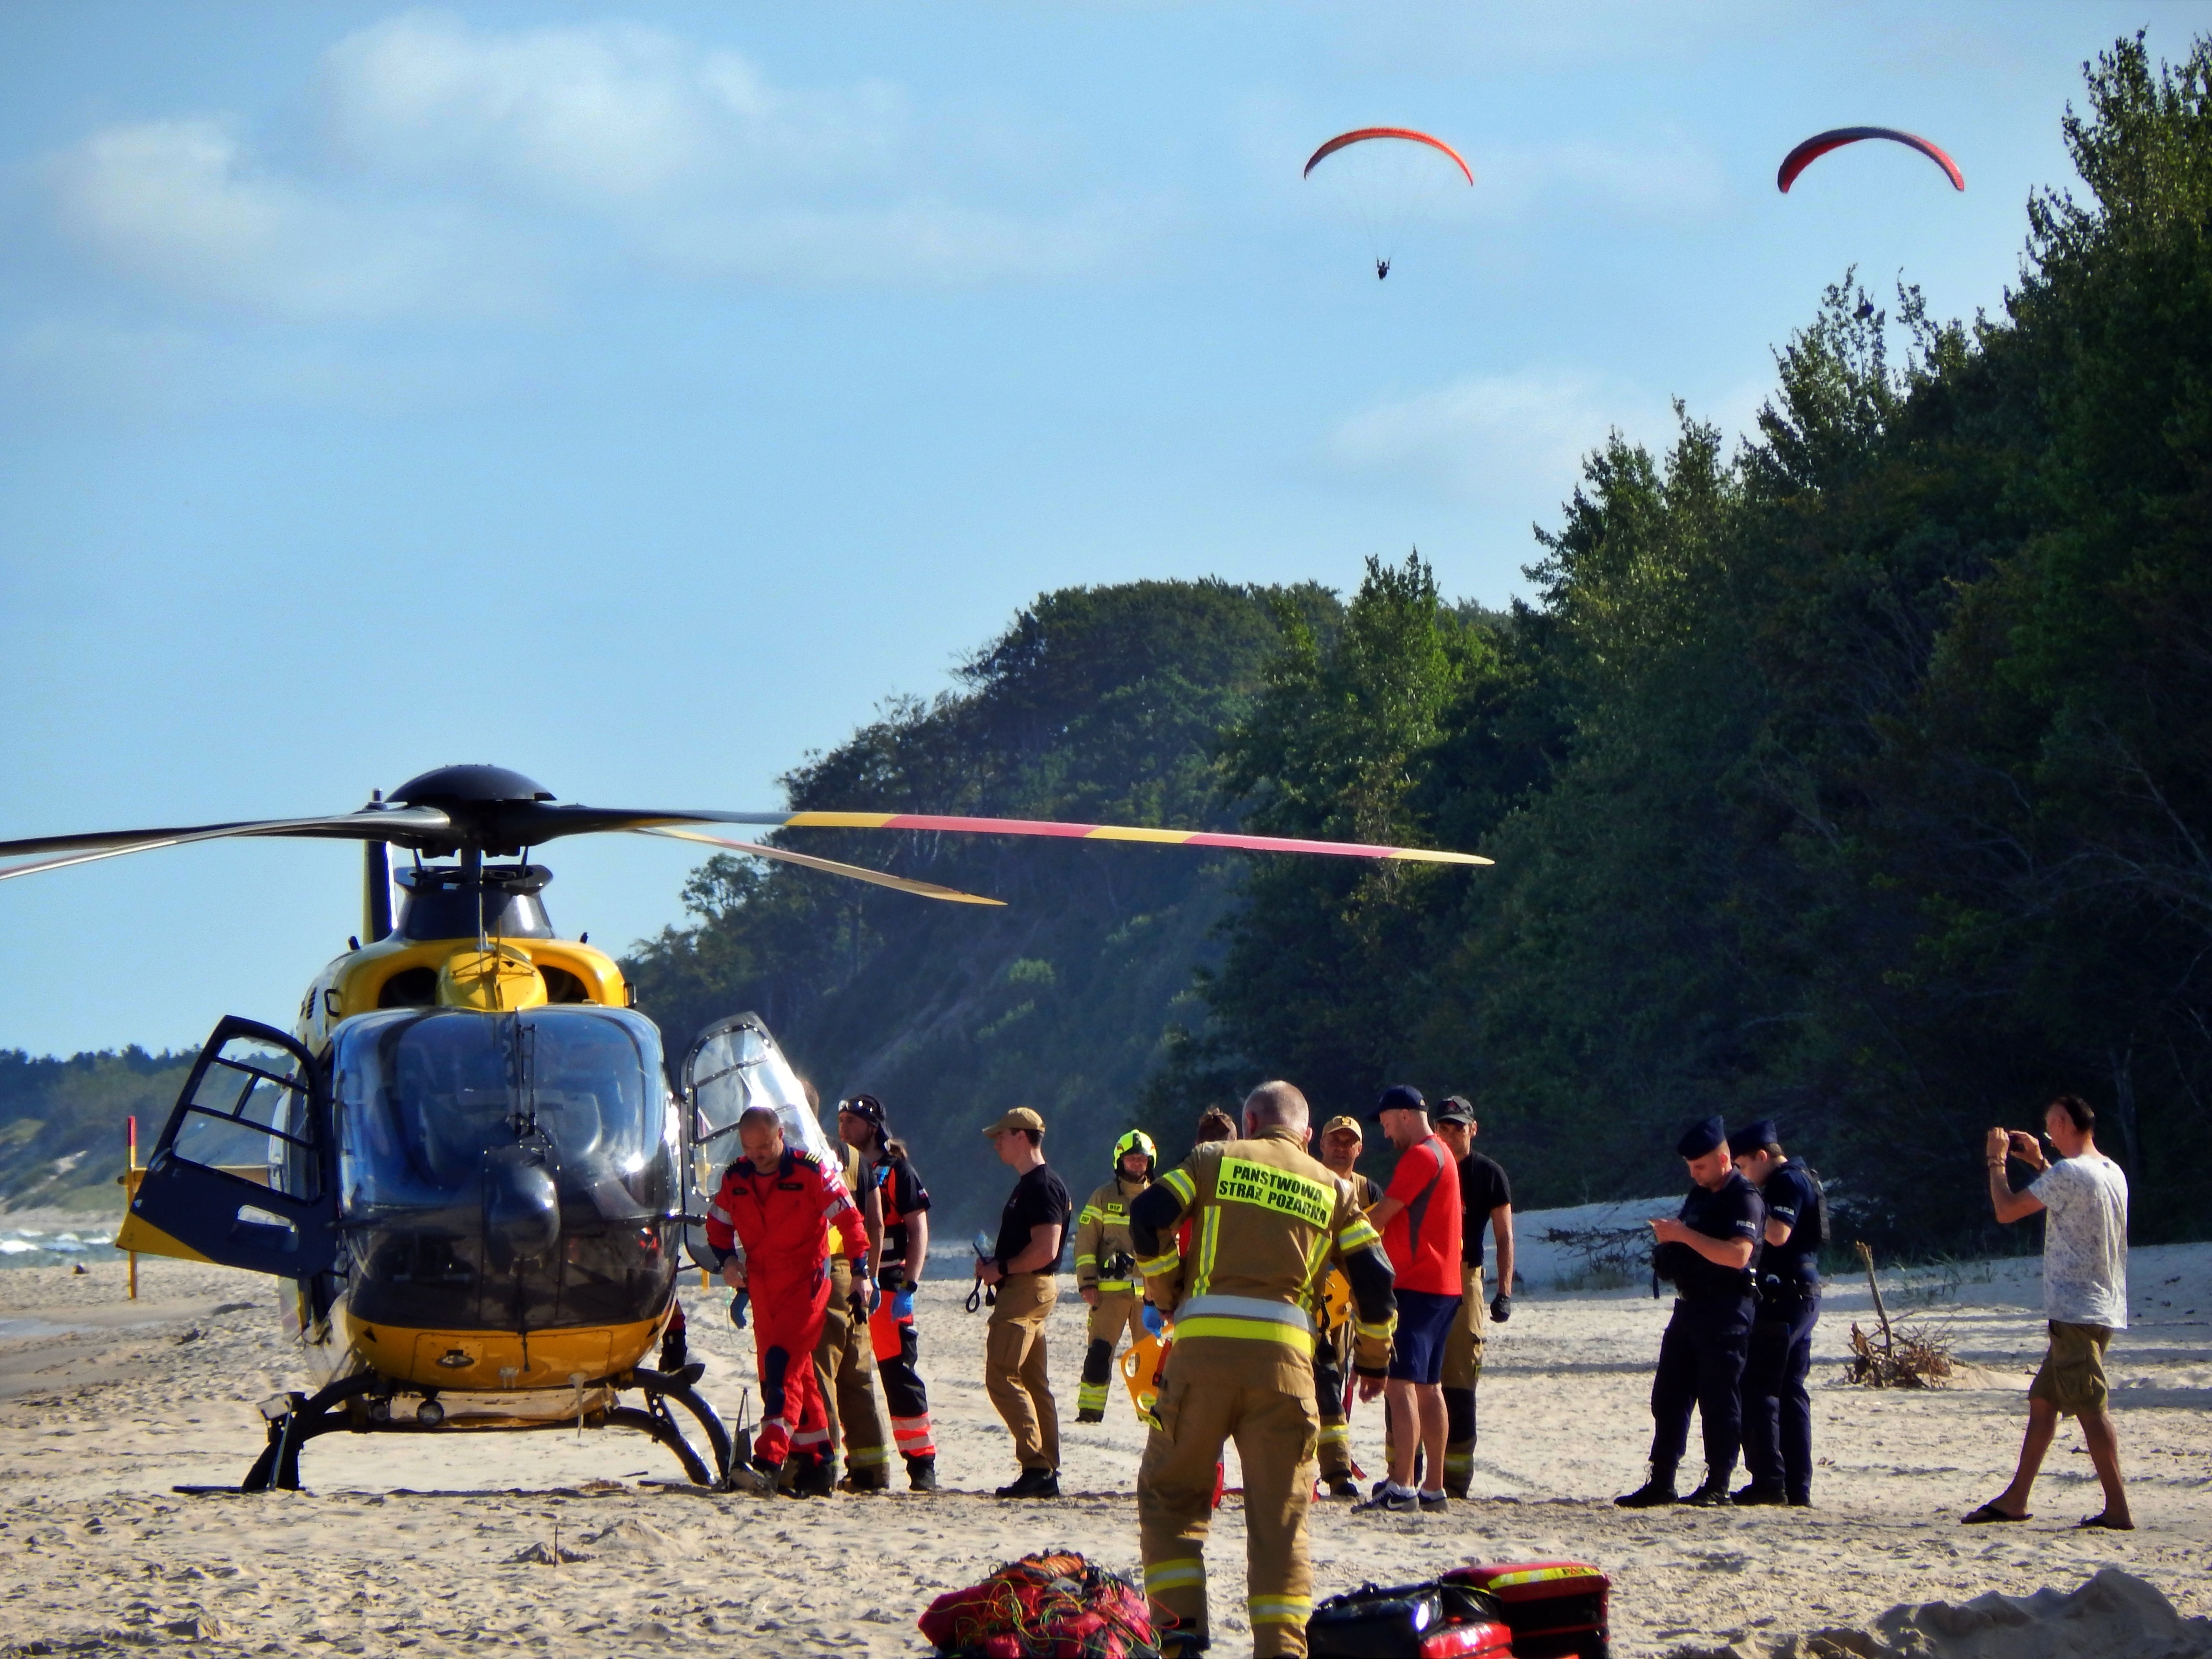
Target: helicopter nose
x,y
522,1209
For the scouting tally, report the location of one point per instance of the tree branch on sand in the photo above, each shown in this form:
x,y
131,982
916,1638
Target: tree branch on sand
x,y
1908,1356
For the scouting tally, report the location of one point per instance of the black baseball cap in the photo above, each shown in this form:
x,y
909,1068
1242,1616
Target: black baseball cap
x,y
1398,1097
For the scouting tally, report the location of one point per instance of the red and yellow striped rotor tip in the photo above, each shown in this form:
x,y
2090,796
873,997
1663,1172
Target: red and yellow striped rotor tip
x,y
1351,849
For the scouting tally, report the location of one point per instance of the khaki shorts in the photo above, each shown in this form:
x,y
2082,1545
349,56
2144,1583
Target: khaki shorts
x,y
2072,1376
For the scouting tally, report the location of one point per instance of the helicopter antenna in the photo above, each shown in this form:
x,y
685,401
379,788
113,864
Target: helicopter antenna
x,y
472,878
376,881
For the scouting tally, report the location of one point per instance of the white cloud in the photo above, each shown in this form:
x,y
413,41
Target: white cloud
x,y
180,203
1513,442
473,172
603,113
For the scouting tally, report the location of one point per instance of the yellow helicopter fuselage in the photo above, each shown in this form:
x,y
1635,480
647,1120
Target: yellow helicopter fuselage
x,y
489,978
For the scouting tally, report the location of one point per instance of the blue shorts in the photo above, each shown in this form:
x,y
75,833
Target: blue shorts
x,y
1425,1319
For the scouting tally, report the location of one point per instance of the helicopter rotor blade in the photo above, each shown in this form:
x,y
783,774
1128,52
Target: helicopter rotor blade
x,y
443,824
782,856
371,824
1099,832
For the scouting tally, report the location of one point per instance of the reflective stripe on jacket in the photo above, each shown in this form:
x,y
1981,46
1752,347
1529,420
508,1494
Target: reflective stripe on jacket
x,y
1101,1231
1267,1220
782,1220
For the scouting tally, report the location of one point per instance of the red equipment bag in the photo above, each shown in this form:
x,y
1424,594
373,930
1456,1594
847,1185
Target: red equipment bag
x,y
1557,1609
1052,1605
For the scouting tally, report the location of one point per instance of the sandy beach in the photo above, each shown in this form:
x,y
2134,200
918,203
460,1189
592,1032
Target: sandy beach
x,y
432,1544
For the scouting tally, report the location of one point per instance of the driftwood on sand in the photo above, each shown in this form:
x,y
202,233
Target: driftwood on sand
x,y
1907,1357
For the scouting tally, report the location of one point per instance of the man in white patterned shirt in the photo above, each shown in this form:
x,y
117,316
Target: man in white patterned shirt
x,y
2085,1296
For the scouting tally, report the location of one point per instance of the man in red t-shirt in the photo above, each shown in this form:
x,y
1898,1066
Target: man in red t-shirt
x,y
1420,1221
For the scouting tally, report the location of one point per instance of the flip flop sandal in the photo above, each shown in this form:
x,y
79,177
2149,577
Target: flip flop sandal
x,y
2099,1519
1989,1513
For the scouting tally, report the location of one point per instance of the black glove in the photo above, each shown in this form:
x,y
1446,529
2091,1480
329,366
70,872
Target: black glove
x,y
858,1301
1501,1306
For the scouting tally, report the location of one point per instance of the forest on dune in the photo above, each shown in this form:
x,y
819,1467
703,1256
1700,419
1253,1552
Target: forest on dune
x,y
1856,775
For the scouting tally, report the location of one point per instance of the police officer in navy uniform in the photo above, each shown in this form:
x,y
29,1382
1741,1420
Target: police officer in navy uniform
x,y
1777,1412
1711,1252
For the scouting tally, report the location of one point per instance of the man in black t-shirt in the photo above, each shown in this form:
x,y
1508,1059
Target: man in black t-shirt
x,y
1778,1410
1486,1202
1711,1252
1025,1265
892,1335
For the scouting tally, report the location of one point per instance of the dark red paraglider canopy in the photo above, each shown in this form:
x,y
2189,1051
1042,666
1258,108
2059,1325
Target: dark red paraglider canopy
x,y
1821,143
1359,135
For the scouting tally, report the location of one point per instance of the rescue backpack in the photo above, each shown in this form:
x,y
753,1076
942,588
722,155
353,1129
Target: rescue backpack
x,y
1052,1605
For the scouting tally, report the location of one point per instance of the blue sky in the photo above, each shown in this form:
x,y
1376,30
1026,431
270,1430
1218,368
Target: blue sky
x,y
638,397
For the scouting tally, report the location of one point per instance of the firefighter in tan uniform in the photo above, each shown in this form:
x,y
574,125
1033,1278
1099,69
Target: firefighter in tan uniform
x,y
844,1359
1339,1146
1106,1268
1269,1221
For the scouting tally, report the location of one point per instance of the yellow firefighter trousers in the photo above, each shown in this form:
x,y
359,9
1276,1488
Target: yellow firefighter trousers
x,y
845,1370
1117,1311
1220,1388
1014,1370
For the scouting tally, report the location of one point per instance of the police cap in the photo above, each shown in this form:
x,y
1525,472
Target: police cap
x,y
1754,1137
1701,1138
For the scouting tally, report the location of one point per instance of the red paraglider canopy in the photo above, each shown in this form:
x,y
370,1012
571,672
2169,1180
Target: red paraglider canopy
x,y
1359,135
1821,143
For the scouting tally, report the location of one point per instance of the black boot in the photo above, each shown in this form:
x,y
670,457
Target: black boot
x,y
922,1474
1034,1483
817,1478
1655,1493
1755,1496
1713,1495
674,1348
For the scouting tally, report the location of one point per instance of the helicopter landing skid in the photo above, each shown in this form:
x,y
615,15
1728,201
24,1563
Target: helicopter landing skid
x,y
335,1408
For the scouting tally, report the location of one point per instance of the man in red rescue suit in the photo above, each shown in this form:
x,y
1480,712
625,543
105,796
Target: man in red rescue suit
x,y
1269,1222
769,1226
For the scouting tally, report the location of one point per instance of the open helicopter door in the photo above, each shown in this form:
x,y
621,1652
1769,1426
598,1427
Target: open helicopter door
x,y
735,1064
237,1177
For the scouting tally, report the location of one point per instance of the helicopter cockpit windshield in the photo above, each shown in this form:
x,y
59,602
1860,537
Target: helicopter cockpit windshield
x,y
530,1157
423,1096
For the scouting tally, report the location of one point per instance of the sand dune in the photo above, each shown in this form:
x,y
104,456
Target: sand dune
x,y
426,1544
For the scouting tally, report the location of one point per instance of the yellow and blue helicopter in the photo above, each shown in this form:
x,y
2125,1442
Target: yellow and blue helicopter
x,y
464,1161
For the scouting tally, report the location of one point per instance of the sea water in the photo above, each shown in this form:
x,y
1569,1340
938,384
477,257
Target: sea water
x,y
33,1247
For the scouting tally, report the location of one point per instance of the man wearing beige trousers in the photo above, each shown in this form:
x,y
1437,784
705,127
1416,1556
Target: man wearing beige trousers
x,y
1024,1268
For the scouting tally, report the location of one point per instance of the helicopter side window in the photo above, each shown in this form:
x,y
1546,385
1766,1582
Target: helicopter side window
x,y
248,1114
